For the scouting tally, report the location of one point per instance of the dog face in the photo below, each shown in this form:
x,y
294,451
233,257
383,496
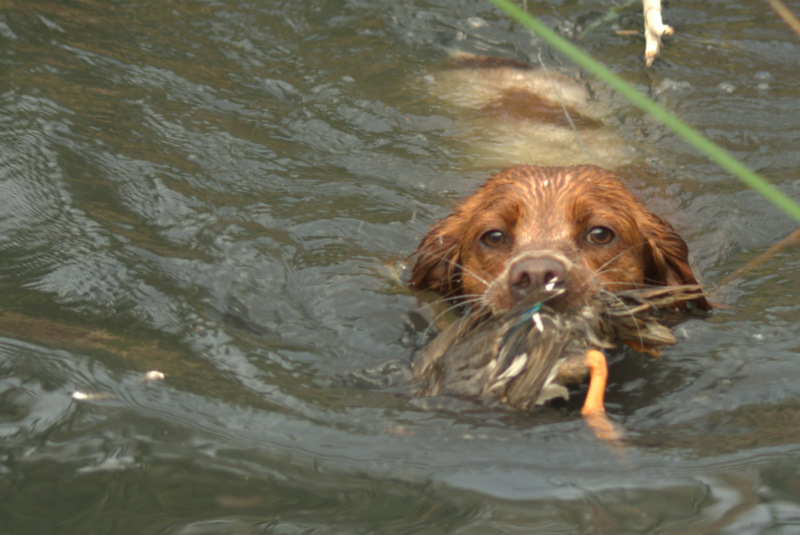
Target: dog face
x,y
575,227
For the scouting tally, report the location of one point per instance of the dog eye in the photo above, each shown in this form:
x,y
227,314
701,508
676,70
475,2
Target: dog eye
x,y
600,236
494,238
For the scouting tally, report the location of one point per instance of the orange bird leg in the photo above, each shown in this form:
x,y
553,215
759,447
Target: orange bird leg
x,y
598,376
593,408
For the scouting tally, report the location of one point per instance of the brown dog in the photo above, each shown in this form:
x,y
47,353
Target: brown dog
x,y
575,231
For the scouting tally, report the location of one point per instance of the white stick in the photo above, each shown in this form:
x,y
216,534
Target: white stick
x,y
654,28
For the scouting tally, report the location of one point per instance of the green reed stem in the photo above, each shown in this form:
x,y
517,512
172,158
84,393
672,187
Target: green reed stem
x,y
695,138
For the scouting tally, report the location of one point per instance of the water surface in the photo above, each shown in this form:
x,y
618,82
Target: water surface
x,y
224,191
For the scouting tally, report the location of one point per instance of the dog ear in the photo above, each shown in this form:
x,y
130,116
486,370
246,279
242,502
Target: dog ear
x,y
668,264
438,267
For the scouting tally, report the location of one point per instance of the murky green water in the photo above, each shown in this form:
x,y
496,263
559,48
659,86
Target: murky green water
x,y
220,191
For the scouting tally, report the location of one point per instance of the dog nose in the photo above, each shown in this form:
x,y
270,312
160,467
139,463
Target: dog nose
x,y
530,274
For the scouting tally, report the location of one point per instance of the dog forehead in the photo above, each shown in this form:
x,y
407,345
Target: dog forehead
x,y
552,201
548,197
575,192
547,215
556,203
538,184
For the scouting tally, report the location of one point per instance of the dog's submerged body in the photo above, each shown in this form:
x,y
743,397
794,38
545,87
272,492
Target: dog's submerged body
x,y
512,113
575,230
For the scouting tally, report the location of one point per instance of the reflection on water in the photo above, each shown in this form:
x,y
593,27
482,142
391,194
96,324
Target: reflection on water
x,y
225,192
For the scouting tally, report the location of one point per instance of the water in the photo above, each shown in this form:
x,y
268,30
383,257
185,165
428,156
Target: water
x,y
223,191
